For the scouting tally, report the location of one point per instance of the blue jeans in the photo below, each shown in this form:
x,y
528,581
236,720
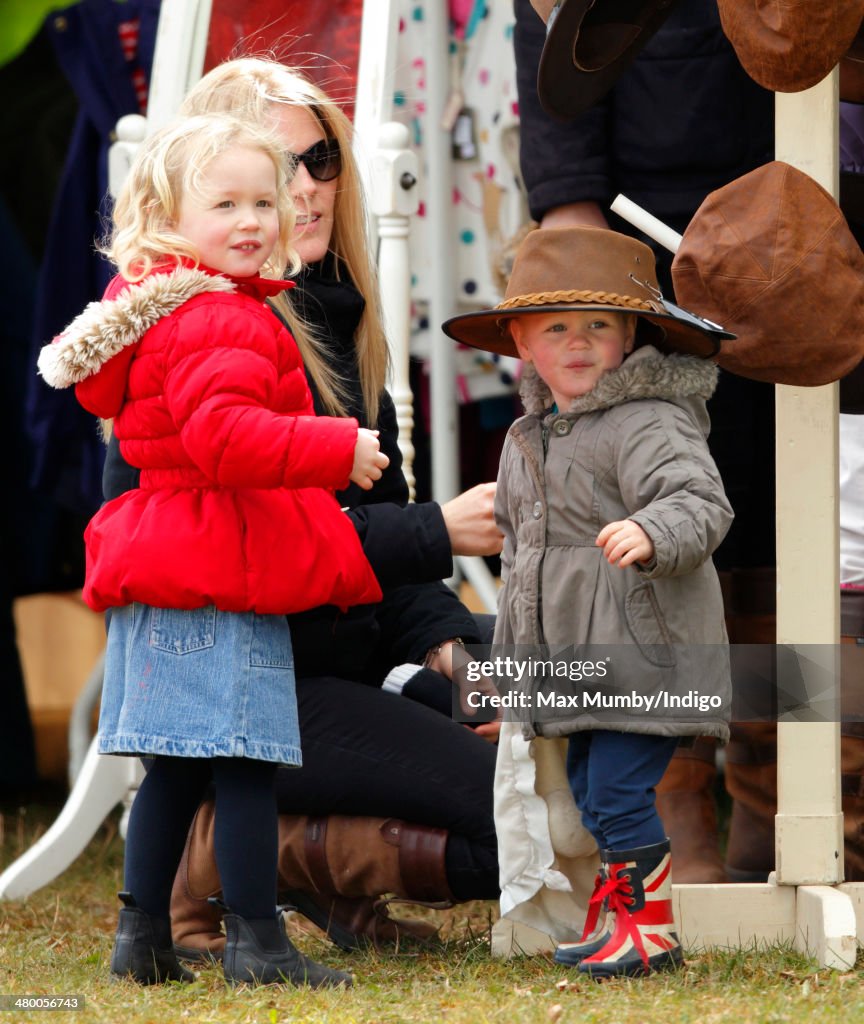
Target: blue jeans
x,y
612,776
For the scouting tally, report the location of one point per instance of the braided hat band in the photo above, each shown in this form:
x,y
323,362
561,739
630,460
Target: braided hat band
x,y
574,296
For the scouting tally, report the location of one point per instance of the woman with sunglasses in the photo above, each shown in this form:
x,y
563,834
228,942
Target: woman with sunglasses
x,y
393,796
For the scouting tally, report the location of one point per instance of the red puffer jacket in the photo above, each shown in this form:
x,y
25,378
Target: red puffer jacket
x,y
209,398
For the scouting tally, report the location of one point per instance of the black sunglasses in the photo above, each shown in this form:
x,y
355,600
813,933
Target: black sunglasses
x,y
323,160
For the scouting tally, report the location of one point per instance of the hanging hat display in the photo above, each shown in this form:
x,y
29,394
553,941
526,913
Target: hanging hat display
x,y
771,257
792,45
588,44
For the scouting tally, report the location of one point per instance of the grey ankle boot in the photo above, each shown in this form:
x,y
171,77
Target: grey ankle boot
x,y
258,952
142,947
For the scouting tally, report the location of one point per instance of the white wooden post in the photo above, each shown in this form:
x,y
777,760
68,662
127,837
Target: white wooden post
x,y
442,279
393,199
379,35
809,823
178,58
809,832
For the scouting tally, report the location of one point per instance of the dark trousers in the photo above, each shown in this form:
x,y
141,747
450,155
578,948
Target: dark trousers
x,y
371,753
612,776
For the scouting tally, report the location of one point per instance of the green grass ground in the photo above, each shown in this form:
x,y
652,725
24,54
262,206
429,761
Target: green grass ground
x,y
58,942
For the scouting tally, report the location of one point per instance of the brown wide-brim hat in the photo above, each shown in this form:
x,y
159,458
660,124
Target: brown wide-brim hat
x,y
588,45
771,255
611,272
790,45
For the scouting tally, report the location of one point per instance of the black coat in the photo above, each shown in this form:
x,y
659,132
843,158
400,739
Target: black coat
x,y
406,544
681,121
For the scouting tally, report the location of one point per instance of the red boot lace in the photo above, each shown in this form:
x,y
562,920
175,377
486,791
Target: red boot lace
x,y
619,890
595,905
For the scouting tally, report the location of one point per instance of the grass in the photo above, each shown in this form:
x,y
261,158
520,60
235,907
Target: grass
x,y
58,941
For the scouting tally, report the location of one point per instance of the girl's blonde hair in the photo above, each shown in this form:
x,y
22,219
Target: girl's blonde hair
x,y
248,87
169,166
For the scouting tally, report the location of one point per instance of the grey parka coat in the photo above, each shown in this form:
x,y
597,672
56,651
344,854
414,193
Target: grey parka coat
x,y
633,447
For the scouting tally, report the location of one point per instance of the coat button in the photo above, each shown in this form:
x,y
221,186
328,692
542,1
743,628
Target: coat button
x,y
538,510
562,427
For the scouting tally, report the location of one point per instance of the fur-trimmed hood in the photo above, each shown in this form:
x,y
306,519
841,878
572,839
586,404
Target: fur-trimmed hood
x,y
106,328
646,373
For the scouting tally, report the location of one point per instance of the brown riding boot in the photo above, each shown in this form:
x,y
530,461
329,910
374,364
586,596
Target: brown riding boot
x,y
196,926
365,865
750,769
686,804
852,731
751,781
852,787
335,869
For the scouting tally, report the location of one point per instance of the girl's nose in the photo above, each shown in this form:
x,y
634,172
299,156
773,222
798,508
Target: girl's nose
x,y
249,219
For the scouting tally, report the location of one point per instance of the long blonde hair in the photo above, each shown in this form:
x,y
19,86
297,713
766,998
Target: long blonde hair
x,y
248,87
169,166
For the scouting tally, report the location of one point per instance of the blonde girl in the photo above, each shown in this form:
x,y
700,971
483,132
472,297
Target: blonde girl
x,y
233,525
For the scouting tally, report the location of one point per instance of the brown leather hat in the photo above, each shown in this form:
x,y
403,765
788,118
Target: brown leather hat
x,y
852,71
558,269
792,45
588,44
772,256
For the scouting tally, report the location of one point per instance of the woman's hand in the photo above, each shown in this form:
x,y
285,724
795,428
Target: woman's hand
x,y
450,657
624,543
369,461
470,522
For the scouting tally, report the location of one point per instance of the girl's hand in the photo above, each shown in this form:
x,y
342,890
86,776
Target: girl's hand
x,y
624,543
369,461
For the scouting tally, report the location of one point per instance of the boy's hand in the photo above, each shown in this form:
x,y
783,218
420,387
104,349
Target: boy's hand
x,y
369,461
624,543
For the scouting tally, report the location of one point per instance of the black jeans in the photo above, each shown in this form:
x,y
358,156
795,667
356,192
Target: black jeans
x,y
371,753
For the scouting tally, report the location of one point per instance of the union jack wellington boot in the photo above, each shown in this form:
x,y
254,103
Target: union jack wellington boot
x,y
599,923
639,893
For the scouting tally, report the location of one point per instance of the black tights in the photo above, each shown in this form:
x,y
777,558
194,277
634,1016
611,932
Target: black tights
x,y
245,831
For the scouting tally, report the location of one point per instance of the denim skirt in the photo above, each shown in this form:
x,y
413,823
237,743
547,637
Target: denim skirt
x,y
200,683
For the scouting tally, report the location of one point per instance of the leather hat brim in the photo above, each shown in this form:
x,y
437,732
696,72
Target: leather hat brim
x,y
485,329
566,90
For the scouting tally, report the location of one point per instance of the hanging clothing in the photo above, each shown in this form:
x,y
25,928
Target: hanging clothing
x,y
68,454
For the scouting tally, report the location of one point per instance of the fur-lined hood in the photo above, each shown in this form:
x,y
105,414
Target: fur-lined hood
x,y
646,373
106,328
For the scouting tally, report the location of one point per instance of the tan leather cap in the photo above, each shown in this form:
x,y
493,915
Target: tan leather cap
x,y
771,255
586,268
790,45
